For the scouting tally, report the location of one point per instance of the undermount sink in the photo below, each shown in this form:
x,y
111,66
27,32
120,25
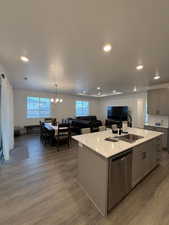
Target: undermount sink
x,y
130,138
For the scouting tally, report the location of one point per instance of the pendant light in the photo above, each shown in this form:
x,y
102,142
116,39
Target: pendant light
x,y
56,99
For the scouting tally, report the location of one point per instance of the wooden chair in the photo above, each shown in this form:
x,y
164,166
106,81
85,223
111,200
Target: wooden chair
x,y
46,135
42,132
85,130
50,136
54,122
48,120
64,134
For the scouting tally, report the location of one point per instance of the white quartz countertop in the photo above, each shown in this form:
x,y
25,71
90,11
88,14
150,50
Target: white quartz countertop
x,y
97,143
153,125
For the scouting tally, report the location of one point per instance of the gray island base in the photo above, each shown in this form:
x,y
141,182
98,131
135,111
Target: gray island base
x,y
108,171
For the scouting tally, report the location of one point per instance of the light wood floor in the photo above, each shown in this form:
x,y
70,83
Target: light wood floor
x,y
38,187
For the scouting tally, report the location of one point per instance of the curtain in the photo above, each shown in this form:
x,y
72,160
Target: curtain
x,y
7,125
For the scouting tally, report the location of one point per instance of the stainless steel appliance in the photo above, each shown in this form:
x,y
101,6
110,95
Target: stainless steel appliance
x,y
120,178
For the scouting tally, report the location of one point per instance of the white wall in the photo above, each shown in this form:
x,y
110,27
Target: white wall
x,y
59,111
136,103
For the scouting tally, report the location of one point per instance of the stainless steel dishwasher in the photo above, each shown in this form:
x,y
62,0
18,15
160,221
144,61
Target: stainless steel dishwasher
x,y
120,178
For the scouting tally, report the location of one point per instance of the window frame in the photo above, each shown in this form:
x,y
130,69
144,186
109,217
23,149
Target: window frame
x,y
39,110
83,109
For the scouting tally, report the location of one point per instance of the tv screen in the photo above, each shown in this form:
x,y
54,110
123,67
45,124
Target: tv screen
x,y
118,113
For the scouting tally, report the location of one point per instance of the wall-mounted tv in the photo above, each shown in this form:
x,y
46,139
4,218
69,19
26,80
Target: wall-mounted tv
x,y
117,113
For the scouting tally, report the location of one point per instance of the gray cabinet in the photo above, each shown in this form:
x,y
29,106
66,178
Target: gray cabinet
x,y
151,156
145,157
138,164
153,97
165,137
164,99
157,101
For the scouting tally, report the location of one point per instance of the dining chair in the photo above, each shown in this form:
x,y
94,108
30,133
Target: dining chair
x,y
48,120
54,122
40,123
85,130
102,128
63,134
42,132
50,136
46,134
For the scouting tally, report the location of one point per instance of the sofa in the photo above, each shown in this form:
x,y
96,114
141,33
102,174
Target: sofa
x,y
86,122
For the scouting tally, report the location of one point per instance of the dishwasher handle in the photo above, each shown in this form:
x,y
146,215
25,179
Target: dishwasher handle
x,y
121,155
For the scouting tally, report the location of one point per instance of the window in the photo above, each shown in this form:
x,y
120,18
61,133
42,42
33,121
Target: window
x,y
82,108
38,107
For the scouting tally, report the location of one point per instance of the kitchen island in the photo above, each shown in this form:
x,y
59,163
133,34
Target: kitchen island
x,y
109,169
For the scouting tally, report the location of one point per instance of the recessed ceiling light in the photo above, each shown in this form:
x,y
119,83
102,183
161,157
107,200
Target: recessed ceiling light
x,y
98,88
156,77
139,67
134,89
24,59
107,48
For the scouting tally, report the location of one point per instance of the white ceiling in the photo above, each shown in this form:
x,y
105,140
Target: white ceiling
x,y
63,40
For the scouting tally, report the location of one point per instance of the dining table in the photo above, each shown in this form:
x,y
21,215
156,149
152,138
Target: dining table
x,y
55,127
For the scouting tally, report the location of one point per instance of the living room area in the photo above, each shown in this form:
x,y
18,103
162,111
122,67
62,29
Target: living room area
x,y
81,111
84,128
78,112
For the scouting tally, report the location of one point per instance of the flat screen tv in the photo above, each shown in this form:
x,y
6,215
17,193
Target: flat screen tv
x,y
118,113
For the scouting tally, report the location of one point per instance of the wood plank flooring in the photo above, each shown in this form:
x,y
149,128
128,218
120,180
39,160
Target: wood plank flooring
x,y
38,187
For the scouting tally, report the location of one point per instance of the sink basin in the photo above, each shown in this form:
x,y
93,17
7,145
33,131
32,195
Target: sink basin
x,y
130,138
